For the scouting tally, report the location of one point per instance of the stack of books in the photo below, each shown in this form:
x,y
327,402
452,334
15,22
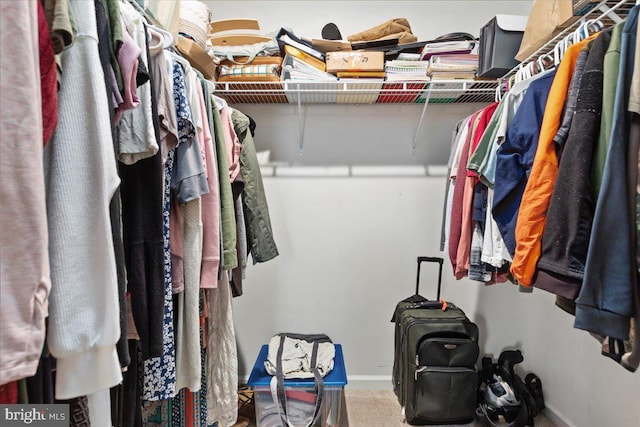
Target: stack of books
x,y
406,70
453,66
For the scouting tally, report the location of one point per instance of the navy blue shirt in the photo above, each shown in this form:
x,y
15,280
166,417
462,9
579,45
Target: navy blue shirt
x,y
515,158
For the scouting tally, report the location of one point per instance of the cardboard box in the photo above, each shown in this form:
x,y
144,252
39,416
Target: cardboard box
x,y
197,57
581,7
357,60
500,40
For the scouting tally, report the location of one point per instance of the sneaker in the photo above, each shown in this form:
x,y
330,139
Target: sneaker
x,y
499,394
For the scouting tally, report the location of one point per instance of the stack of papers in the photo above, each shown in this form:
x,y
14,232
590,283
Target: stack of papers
x,y
453,66
463,46
403,70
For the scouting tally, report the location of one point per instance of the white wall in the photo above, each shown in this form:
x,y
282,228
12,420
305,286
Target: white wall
x,y
347,255
428,19
348,245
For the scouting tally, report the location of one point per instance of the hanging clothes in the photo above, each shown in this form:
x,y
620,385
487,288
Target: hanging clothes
x,y
631,360
535,200
566,232
605,302
83,325
137,136
229,257
24,265
210,201
463,257
460,127
160,373
48,77
222,357
60,24
514,158
260,241
611,68
115,206
458,194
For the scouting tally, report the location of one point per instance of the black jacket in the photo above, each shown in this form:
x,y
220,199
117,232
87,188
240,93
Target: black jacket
x,y
565,239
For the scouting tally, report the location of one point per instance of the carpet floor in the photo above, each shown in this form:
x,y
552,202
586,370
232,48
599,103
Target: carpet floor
x,y
380,408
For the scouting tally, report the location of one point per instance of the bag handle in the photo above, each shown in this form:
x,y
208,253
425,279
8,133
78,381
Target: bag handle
x,y
249,60
278,390
440,261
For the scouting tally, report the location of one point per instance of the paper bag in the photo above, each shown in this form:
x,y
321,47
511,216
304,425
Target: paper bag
x,y
547,18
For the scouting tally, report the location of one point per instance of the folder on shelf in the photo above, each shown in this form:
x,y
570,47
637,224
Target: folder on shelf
x,y
286,37
305,57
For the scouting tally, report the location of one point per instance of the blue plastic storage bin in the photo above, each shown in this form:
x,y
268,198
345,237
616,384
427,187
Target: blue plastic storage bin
x,y
300,394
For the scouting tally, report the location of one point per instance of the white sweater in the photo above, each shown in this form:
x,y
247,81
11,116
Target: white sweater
x,y
82,178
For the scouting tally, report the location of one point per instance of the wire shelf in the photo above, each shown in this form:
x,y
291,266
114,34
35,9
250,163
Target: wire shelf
x,y
607,12
357,92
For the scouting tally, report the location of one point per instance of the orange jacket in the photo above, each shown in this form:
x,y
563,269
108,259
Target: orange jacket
x,y
535,200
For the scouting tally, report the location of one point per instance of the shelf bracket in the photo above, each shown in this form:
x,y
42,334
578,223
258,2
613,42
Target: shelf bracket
x,y
427,93
614,16
302,116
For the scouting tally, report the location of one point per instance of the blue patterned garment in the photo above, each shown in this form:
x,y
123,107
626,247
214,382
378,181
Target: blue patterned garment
x,y
160,373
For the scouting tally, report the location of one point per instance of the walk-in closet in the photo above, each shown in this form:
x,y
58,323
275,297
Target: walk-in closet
x,y
182,182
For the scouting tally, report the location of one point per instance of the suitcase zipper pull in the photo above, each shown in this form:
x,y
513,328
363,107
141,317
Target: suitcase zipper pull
x,y
418,370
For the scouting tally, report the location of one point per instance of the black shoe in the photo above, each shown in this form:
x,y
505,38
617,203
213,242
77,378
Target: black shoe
x,y
331,32
534,385
507,360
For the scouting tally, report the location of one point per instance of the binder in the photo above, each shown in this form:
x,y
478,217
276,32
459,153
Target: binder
x,y
286,37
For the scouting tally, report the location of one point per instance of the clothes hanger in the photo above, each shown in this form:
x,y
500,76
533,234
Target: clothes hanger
x,y
546,62
558,52
519,75
582,32
523,74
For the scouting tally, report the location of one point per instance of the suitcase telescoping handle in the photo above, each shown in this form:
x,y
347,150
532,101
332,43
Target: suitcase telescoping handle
x,y
440,261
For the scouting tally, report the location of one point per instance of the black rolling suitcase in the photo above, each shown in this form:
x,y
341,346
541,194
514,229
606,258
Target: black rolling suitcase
x,y
436,349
